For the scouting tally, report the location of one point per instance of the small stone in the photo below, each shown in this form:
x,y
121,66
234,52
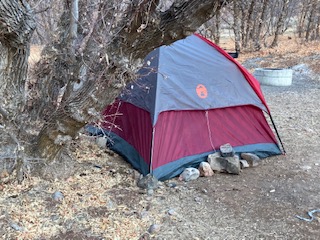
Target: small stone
x,y
148,182
154,228
16,227
144,215
136,175
189,174
111,205
4,174
272,190
217,163
205,169
149,198
69,224
244,164
252,159
172,212
306,167
54,217
204,190
226,150
101,142
57,196
150,192
145,236
171,184
198,199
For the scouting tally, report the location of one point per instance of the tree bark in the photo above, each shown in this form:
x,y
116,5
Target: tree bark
x,y
16,28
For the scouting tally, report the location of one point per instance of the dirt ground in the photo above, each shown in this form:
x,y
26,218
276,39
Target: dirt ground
x,y
102,201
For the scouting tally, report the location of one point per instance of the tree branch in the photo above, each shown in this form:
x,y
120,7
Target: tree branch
x,y
183,18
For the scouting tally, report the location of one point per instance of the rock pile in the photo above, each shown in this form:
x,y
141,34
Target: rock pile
x,y
226,160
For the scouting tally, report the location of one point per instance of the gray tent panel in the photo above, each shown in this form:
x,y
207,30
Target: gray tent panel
x,y
190,74
190,63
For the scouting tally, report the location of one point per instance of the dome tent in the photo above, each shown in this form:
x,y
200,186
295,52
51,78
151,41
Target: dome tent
x,y
190,98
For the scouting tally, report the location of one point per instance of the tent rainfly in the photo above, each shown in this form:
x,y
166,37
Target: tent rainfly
x,y
190,98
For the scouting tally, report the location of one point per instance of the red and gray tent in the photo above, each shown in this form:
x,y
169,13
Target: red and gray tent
x,y
189,99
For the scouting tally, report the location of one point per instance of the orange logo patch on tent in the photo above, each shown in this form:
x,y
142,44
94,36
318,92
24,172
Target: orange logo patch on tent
x,y
202,91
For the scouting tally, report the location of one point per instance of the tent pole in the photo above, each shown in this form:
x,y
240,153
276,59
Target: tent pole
x,y
152,148
278,135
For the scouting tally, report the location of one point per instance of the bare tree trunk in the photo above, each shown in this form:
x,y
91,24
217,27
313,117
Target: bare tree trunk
x,y
261,20
311,20
242,21
303,17
216,27
236,26
280,23
249,24
317,31
16,28
52,71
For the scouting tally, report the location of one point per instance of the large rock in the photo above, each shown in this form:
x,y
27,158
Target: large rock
x,y
217,163
205,169
224,164
189,174
252,159
233,164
